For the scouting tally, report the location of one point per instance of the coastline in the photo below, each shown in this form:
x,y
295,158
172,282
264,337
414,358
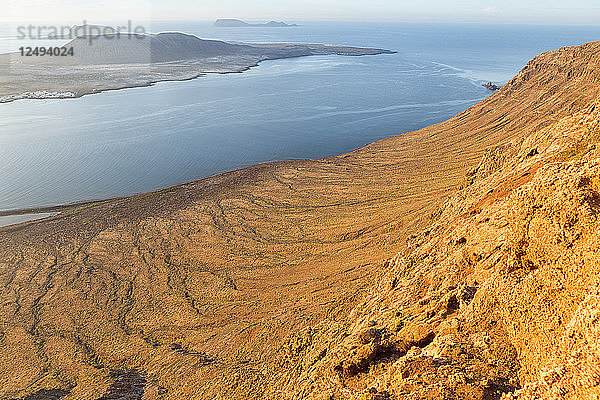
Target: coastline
x,y
13,220
208,181
81,93
51,209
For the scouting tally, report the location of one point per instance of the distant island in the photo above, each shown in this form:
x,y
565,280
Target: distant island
x,y
108,62
236,23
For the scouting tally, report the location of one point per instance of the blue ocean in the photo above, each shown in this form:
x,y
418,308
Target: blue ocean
x,y
136,140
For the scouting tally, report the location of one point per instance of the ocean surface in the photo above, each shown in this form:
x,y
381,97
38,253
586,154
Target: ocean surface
x,y
136,140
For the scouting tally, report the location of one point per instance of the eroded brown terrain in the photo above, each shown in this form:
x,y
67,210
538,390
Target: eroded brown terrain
x,y
457,261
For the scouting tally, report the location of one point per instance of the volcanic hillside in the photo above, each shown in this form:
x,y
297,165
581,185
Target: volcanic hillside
x,y
458,261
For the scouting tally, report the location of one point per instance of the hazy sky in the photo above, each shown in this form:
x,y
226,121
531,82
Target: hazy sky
x,y
501,11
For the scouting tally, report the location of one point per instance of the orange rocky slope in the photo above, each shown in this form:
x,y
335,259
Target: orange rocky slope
x,y
499,298
272,281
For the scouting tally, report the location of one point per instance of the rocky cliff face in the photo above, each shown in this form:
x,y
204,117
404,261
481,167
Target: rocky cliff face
x,y
496,299
458,261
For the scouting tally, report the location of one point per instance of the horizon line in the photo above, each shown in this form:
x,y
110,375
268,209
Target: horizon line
x,y
320,21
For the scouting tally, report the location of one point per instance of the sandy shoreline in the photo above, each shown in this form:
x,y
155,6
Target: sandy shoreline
x,y
23,218
49,209
207,181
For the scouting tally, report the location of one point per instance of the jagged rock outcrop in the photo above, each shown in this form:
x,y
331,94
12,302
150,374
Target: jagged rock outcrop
x,y
491,86
271,282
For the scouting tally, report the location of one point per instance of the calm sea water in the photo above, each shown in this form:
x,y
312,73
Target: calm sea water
x,y
136,140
